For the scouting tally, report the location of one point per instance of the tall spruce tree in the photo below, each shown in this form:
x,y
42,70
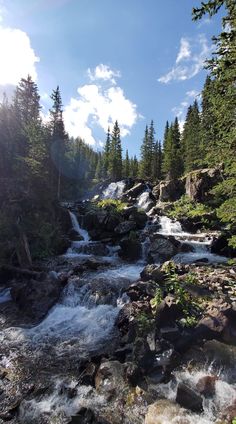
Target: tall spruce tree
x,y
126,165
147,151
58,139
172,161
191,138
115,156
106,154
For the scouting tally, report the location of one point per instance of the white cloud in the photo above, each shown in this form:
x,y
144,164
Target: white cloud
x,y
194,54
185,50
97,105
18,58
193,94
103,72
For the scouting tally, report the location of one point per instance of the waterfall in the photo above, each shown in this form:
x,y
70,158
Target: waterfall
x,y
114,190
169,227
198,243
83,233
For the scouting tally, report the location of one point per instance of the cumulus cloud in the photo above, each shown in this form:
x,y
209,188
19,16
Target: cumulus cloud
x,y
103,72
190,59
18,58
99,106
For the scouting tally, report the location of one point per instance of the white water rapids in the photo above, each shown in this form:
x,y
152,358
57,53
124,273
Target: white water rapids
x,y
200,245
82,323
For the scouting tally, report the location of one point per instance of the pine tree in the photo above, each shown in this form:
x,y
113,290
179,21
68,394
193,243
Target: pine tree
x,y
157,161
106,154
115,156
58,137
172,161
191,138
165,149
147,150
126,165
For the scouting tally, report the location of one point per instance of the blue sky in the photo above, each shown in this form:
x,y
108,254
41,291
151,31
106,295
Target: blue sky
x,y
131,60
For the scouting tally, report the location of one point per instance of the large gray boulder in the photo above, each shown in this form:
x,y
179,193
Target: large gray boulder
x,y
169,191
200,182
136,190
163,248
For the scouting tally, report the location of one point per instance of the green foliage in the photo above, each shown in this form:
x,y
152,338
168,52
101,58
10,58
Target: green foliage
x,y
173,285
114,204
156,300
187,208
145,323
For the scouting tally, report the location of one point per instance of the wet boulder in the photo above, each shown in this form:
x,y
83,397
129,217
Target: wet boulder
x,y
135,191
110,378
131,249
35,298
139,217
164,410
189,398
206,385
125,227
163,247
212,326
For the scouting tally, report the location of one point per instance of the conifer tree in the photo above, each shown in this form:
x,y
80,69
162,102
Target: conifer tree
x,y
191,138
106,154
147,150
58,137
126,165
115,156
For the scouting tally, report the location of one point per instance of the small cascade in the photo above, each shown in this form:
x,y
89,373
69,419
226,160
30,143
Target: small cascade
x,y
114,190
199,244
83,233
144,202
170,227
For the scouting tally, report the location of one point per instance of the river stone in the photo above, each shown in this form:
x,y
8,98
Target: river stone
x,y
188,398
206,385
165,410
163,247
125,227
152,272
131,249
110,378
35,298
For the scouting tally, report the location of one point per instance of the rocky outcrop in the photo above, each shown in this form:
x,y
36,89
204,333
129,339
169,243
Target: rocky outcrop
x,y
200,182
169,191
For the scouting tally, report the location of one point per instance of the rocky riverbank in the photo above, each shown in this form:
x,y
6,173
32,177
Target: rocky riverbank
x,y
134,324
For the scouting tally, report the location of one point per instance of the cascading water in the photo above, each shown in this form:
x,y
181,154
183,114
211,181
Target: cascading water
x,y
223,396
114,190
198,244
